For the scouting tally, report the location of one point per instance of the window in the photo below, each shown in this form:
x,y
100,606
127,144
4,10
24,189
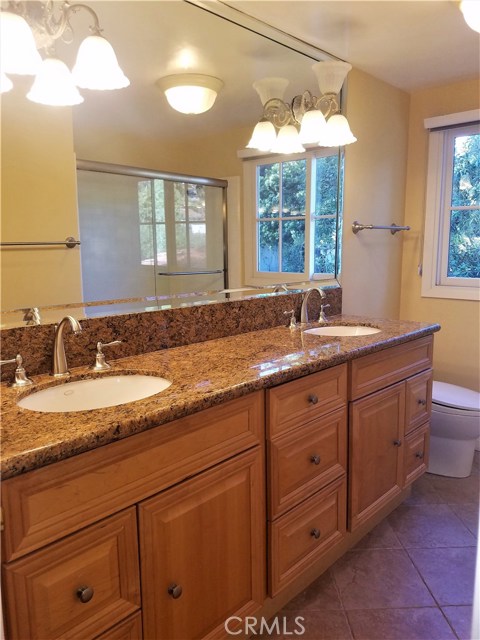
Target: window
x,y
295,205
451,267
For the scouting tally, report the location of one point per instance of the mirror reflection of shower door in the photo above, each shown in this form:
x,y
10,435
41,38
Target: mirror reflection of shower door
x,y
136,228
188,235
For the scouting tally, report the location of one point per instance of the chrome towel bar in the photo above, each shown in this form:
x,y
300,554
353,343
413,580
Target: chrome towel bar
x,y
68,242
189,273
393,228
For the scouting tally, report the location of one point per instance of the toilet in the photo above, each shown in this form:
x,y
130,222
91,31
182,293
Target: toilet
x,y
455,429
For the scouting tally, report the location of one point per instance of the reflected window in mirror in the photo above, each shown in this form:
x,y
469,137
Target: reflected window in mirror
x,y
293,217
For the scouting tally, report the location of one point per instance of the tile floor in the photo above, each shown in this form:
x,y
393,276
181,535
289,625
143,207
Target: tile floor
x,y
411,578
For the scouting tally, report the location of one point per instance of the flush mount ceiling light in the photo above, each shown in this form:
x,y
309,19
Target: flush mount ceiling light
x,y
471,13
308,119
31,25
191,93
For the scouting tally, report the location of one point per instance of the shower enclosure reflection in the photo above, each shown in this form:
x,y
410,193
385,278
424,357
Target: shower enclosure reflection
x,y
149,234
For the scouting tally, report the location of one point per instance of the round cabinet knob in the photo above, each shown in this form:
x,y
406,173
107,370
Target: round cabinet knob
x,y
397,443
175,590
313,399
315,459
85,594
419,455
315,533
422,402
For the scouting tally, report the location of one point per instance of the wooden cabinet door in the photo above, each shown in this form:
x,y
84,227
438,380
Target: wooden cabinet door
x,y
77,587
376,448
202,547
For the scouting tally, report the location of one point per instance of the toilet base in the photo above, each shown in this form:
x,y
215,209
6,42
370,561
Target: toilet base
x,y
452,458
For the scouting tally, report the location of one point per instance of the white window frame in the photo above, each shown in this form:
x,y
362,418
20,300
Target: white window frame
x,y
259,278
435,282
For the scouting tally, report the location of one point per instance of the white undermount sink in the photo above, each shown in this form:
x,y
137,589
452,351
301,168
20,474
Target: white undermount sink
x,y
94,393
342,330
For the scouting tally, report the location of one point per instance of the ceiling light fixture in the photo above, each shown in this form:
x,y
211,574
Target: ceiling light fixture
x,y
28,26
304,120
190,93
471,13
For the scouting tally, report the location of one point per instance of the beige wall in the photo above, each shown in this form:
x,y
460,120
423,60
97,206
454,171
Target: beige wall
x,y
374,194
38,203
457,354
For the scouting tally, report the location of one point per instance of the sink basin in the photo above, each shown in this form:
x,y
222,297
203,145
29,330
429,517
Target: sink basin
x,y
94,393
356,330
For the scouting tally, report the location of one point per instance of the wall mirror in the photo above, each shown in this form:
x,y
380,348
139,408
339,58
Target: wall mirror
x,y
132,127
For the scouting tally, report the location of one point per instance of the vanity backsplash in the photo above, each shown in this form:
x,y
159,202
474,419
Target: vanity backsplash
x,y
154,330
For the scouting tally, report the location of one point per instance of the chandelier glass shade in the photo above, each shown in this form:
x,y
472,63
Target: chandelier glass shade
x,y
471,13
308,119
28,26
190,93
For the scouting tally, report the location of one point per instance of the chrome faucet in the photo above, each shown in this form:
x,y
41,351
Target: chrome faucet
x,y
60,369
308,293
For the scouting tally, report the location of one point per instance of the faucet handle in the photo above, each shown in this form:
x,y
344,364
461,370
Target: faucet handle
x,y
293,321
100,362
21,379
322,317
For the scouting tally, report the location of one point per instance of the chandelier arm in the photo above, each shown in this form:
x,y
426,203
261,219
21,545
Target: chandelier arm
x,y
328,104
301,104
77,6
278,112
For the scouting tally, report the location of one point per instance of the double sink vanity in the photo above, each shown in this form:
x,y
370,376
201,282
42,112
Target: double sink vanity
x,y
262,459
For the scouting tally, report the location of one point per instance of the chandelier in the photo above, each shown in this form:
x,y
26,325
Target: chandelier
x,y
28,26
308,119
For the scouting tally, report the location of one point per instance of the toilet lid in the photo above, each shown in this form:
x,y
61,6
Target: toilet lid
x,y
452,396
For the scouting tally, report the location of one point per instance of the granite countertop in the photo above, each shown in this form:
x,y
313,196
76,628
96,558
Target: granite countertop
x,y
202,374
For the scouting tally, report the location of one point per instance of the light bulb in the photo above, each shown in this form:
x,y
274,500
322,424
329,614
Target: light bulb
x,y
97,67
337,132
313,126
471,13
263,136
18,52
288,141
54,85
5,83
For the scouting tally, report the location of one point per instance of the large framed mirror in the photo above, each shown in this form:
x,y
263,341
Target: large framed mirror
x,y
132,127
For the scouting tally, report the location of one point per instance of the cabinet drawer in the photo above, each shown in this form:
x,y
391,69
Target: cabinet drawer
x,y
303,400
418,405
102,558
415,454
39,509
379,370
306,459
129,629
305,533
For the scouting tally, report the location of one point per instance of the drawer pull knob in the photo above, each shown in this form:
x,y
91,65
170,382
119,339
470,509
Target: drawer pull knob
x,y
315,533
315,459
313,399
175,590
85,594
397,443
419,455
422,402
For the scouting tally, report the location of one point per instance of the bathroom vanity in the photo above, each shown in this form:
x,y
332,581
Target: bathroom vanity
x,y
268,457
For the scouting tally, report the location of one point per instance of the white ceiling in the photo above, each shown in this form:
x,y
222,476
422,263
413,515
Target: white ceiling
x,y
409,44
